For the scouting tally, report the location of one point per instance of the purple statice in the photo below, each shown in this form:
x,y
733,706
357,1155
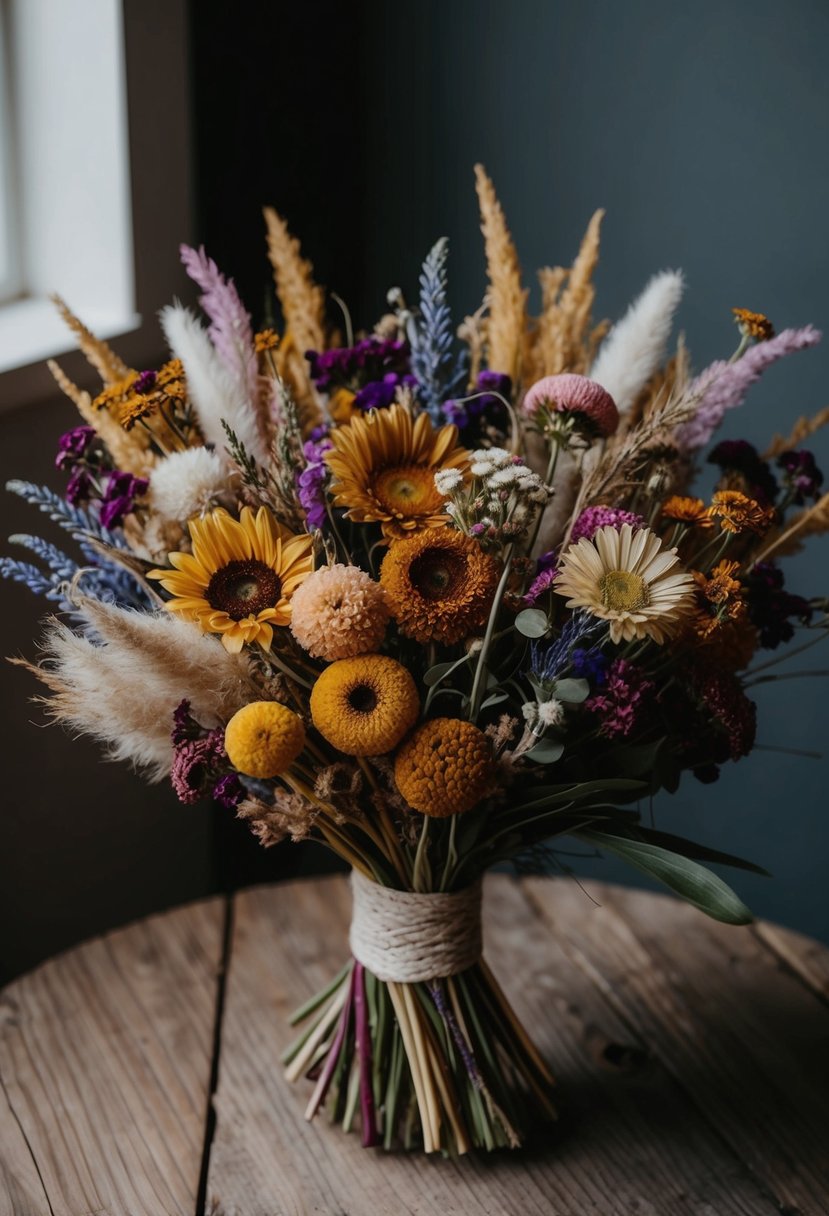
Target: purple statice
x,y
355,366
311,481
379,394
79,488
622,699
542,583
770,607
801,476
740,456
482,402
550,660
593,518
145,383
120,492
228,791
73,446
723,386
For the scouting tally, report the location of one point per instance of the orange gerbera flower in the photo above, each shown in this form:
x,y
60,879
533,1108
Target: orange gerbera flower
x,y
686,511
738,513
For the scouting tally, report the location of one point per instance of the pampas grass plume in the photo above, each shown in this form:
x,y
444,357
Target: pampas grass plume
x,y
637,345
121,680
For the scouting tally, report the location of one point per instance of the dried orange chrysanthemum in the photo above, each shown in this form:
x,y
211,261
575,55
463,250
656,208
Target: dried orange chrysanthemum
x,y
722,590
753,324
383,469
445,768
739,513
266,339
439,585
686,510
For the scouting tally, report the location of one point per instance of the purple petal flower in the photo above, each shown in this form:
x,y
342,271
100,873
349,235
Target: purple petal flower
x,y
723,386
73,446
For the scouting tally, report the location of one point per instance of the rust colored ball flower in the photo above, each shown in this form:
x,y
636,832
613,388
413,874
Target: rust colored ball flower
x,y
364,706
568,393
439,585
445,768
339,612
263,739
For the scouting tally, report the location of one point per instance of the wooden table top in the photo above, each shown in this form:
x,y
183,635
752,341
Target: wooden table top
x,y
140,1072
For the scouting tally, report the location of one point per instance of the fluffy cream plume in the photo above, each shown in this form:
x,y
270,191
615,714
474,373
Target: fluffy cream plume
x,y
802,429
303,309
637,345
129,449
507,298
216,395
187,483
100,356
122,688
564,338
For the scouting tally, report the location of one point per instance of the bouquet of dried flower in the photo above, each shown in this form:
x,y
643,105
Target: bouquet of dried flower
x,y
436,598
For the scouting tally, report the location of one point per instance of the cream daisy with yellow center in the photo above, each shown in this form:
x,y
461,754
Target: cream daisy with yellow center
x,y
240,577
628,579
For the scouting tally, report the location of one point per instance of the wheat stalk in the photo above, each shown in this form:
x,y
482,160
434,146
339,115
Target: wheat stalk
x,y
507,298
802,429
107,364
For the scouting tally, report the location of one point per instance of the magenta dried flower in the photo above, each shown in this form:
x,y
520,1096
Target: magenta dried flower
x,y
593,518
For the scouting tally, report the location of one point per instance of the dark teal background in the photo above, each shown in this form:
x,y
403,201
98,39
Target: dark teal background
x,y
702,129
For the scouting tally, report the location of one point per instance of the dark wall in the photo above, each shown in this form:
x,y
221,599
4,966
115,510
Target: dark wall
x,y
703,131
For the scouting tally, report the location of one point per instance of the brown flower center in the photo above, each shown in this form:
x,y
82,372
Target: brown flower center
x,y
362,698
407,490
623,591
437,574
244,588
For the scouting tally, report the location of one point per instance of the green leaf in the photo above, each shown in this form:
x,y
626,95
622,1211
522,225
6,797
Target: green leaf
x,y
685,877
699,852
547,751
574,691
532,622
435,674
495,699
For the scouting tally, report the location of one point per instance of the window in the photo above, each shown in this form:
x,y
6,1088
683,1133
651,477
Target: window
x,y
65,207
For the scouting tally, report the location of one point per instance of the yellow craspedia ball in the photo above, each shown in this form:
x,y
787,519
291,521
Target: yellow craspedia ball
x,y
263,739
445,768
365,705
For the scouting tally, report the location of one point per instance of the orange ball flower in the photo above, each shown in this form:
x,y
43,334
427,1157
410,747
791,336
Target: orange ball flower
x,y
445,768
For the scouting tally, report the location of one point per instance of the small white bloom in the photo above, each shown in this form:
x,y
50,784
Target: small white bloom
x,y
187,483
447,481
504,477
479,468
530,712
551,713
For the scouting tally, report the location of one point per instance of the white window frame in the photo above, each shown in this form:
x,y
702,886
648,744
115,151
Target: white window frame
x,y
103,179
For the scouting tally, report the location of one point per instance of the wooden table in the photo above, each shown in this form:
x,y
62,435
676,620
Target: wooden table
x,y
140,1071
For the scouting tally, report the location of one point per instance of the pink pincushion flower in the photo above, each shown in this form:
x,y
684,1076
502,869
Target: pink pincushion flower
x,y
593,518
568,393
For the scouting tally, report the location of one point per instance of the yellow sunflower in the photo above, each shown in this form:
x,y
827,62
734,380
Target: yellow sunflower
x,y
383,467
240,577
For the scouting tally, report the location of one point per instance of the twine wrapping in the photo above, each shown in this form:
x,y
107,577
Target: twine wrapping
x,y
407,937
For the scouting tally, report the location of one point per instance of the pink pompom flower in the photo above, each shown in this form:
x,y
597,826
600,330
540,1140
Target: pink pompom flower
x,y
591,406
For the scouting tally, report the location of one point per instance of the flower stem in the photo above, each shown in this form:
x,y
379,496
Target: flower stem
x,y
478,683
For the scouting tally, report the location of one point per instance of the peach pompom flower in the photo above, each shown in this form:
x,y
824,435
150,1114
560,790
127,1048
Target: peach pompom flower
x,y
339,612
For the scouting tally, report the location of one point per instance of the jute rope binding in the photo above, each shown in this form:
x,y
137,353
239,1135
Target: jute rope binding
x,y
407,937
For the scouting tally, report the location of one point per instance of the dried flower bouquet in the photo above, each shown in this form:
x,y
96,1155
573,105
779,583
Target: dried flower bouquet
x,y
437,598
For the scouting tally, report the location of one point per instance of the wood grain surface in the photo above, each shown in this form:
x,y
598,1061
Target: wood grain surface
x,y
140,1072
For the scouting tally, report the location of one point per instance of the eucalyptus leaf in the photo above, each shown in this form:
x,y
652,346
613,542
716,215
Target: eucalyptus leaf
x,y
546,751
532,622
699,852
687,878
495,699
435,674
574,691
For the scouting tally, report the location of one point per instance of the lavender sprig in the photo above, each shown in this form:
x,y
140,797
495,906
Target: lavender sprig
x,y
431,334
